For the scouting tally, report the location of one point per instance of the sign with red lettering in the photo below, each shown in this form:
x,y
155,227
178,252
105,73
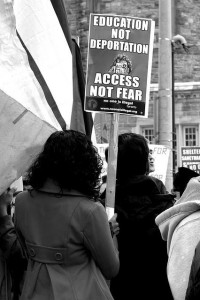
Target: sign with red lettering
x,y
190,157
119,64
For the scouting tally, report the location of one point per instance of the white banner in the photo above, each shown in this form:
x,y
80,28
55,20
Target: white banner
x,y
22,136
161,155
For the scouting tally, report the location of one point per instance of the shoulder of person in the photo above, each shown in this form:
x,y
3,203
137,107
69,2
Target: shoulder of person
x,y
21,195
160,185
89,206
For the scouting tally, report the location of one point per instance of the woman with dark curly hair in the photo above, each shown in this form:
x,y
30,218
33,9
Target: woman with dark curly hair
x,y
62,226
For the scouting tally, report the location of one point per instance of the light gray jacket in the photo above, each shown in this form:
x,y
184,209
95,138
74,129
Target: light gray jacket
x,y
180,227
69,246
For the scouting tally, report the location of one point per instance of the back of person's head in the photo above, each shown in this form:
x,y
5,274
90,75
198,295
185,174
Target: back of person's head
x,y
71,161
191,192
133,153
181,179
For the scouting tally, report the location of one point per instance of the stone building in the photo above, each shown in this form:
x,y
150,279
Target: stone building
x,y
186,22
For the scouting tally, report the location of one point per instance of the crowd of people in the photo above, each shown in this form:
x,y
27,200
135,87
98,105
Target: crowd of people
x,y
60,244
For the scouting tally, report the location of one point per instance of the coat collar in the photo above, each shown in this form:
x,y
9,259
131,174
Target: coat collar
x,y
51,187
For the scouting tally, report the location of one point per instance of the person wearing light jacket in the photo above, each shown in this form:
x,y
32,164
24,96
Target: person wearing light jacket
x,y
62,227
179,226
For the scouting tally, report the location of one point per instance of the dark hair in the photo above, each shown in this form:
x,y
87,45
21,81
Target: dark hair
x,y
133,153
71,161
106,154
181,179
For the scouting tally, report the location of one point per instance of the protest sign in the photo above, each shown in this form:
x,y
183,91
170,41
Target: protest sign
x,y
160,154
190,157
119,64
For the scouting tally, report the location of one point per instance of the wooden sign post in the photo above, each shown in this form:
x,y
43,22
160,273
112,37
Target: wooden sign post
x,y
112,165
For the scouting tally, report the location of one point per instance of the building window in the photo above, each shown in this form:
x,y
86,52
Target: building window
x,y
190,136
148,133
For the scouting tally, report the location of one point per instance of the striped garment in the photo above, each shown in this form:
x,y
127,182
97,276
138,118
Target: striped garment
x,y
40,91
